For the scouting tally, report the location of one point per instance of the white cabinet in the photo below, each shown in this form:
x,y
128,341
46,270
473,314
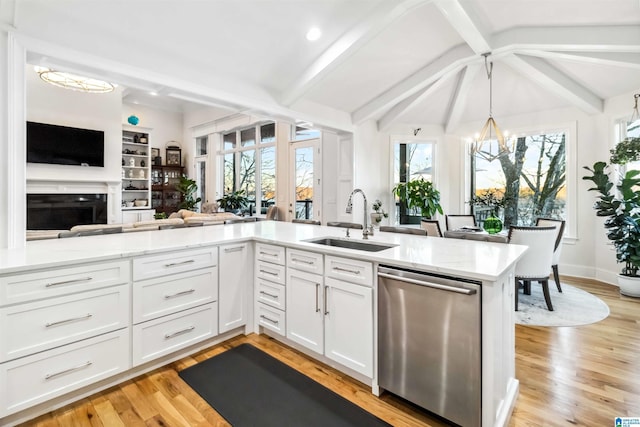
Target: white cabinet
x,y
270,308
130,216
136,168
234,283
332,316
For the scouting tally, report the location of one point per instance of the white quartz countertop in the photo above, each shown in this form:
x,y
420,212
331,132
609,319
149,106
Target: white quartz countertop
x,y
463,258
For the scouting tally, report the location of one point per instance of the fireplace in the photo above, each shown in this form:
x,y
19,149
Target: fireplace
x,y
63,211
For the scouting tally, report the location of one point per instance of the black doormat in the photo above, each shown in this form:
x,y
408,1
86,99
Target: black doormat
x,y
250,388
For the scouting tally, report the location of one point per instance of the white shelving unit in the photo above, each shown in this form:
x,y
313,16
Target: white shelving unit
x,y
136,173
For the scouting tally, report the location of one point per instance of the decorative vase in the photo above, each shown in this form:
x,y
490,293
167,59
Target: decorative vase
x,y
133,120
376,218
629,286
492,224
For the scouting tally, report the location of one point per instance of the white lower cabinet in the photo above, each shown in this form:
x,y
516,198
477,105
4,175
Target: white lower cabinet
x,y
332,317
234,282
42,376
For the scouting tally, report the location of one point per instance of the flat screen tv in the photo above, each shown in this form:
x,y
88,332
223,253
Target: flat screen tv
x,y
62,145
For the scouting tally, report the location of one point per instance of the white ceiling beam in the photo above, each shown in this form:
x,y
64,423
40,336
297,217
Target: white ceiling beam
x,y
555,81
345,46
409,103
460,97
616,59
614,38
450,62
464,19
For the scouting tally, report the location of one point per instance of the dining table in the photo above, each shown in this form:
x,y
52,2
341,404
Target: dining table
x,y
477,234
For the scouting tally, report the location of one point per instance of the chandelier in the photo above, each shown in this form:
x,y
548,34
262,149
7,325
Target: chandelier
x,y
73,81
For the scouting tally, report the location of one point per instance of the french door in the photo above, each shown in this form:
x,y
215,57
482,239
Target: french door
x,y
306,188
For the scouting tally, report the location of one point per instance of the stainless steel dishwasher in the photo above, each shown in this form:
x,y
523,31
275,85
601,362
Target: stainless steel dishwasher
x,y
429,347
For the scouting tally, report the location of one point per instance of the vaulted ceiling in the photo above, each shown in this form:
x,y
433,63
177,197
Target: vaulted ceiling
x,y
393,61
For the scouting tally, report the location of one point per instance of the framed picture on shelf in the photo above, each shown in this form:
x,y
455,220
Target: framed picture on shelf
x,y
174,156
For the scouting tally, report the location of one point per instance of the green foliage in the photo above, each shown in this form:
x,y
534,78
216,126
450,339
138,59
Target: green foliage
x,y
377,208
233,201
419,194
627,150
188,188
622,213
489,198
160,215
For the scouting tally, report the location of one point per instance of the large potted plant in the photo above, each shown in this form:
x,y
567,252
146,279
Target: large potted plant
x,y
621,210
234,201
188,188
420,195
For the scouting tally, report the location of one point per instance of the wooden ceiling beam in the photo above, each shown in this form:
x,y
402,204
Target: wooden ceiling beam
x,y
460,96
467,23
615,59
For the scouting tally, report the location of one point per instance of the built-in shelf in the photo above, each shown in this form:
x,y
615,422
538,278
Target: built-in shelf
x,y
136,167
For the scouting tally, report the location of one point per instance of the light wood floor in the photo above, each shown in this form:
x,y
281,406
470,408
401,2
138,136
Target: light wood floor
x,y
583,376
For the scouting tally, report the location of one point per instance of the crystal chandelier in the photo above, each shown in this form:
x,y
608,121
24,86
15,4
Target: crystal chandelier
x,y
74,81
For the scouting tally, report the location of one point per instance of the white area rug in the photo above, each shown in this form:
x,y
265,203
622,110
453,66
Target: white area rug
x,y
572,307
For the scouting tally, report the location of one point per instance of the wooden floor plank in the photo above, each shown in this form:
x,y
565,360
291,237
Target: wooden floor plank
x,y
569,376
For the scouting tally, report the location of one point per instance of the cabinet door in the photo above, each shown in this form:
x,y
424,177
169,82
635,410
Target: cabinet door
x,y
305,309
232,286
349,325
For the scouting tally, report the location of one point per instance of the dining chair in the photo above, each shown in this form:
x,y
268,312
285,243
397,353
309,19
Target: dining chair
x,y
354,225
431,226
534,264
272,213
306,221
403,230
559,224
456,222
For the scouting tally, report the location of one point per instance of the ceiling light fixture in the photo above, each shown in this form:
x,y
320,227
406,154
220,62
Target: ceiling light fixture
x,y
313,34
73,81
490,126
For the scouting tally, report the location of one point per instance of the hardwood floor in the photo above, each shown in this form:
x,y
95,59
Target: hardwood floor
x,y
583,376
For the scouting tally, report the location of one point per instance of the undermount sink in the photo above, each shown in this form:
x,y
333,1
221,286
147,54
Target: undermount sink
x,y
350,244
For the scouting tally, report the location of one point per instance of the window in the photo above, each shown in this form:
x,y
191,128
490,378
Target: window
x,y
201,160
250,165
527,174
412,159
303,133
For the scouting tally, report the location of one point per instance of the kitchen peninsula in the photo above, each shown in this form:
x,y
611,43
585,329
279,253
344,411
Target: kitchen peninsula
x,y
78,315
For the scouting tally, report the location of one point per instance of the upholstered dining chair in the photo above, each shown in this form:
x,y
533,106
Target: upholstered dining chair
x,y
534,264
353,225
559,224
456,222
306,221
404,230
272,213
431,226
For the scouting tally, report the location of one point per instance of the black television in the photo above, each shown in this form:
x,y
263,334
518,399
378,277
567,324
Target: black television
x,y
62,145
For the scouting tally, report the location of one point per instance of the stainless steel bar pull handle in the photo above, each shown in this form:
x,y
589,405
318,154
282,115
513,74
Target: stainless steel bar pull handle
x,y
268,294
268,272
268,254
346,270
68,282
262,316
66,371
326,289
175,264
463,291
304,261
179,294
180,332
234,249
317,297
73,319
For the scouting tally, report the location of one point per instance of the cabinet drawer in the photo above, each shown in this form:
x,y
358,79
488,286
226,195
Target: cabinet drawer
x,y
306,261
270,253
161,336
30,380
271,272
271,319
174,262
62,281
271,294
349,270
158,297
41,325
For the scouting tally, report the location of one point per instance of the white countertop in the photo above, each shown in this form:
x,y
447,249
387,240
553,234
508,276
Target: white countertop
x,y
464,258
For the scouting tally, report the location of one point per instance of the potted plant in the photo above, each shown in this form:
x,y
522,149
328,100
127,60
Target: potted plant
x,y
234,201
378,213
621,210
187,187
420,195
493,201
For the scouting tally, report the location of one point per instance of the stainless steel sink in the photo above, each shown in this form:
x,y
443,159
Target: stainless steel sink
x,y
350,244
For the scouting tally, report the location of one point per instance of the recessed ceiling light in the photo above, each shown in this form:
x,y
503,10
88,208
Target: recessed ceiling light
x,y
313,34
153,93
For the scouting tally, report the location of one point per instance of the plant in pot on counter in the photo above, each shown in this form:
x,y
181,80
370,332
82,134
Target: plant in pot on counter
x,y
233,201
621,209
491,200
188,188
420,195
378,213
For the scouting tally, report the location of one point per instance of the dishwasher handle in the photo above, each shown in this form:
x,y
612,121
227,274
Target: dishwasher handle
x,y
463,291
